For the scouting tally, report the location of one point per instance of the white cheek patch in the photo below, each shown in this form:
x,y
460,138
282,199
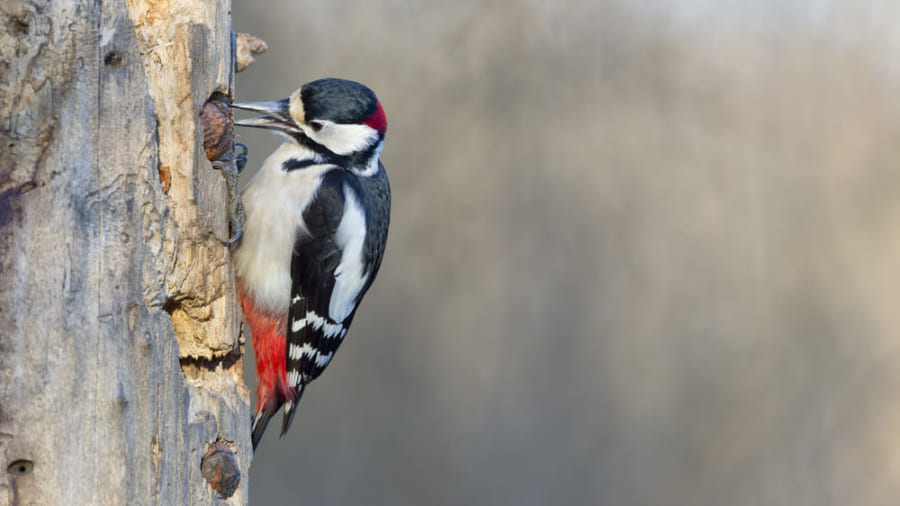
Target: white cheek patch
x,y
350,275
345,139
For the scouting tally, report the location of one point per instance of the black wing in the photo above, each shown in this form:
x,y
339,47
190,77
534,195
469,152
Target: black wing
x,y
312,335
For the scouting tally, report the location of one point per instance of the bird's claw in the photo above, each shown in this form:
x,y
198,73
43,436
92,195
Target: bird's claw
x,y
231,166
237,237
240,156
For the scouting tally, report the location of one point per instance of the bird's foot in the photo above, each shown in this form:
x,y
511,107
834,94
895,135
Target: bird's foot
x,y
231,166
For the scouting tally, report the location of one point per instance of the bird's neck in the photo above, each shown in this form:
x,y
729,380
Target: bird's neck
x,y
370,163
363,163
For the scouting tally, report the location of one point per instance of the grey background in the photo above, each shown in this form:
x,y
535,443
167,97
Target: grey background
x,y
641,254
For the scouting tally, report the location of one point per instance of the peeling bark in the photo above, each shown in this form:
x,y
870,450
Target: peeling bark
x,y
120,337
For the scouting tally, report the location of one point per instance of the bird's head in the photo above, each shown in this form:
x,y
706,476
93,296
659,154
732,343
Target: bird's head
x,y
329,116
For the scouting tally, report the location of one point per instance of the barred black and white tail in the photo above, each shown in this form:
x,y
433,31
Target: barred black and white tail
x,y
260,421
290,408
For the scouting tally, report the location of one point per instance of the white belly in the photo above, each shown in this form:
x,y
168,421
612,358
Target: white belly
x,y
274,202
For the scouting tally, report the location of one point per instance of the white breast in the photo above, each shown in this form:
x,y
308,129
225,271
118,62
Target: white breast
x,y
274,202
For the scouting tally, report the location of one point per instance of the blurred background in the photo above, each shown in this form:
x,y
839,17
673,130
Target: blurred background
x,y
642,253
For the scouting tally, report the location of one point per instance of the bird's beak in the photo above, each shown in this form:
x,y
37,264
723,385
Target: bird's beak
x,y
276,115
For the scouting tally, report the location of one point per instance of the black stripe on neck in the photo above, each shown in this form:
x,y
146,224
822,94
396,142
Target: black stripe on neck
x,y
356,159
295,164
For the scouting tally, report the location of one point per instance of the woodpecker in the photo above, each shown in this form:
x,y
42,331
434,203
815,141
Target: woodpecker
x,y
317,216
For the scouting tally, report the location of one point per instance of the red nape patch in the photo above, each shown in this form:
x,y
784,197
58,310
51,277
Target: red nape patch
x,y
377,120
267,333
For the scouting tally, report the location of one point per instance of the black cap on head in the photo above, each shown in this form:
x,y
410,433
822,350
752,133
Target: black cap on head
x,y
338,100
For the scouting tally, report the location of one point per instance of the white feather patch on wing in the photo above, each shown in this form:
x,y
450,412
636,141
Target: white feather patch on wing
x,y
329,329
309,350
298,325
322,360
350,275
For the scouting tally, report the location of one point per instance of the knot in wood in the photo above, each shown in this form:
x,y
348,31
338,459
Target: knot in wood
x,y
220,468
20,467
114,59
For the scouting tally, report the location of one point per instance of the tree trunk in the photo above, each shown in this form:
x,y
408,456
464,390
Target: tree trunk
x,y
120,337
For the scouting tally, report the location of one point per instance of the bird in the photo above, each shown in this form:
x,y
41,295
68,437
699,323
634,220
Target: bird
x,y
317,218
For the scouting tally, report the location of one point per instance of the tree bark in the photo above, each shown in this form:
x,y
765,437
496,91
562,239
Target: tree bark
x,y
120,336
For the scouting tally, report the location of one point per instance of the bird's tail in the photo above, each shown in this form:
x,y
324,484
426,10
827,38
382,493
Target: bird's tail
x,y
266,412
290,408
261,421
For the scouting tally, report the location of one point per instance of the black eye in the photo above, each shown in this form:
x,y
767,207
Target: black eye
x,y
315,125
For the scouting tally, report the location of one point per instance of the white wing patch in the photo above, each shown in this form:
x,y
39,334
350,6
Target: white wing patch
x,y
328,329
350,275
295,351
308,350
322,360
295,377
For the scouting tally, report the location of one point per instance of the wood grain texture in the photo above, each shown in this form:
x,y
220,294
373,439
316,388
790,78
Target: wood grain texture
x,y
120,342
